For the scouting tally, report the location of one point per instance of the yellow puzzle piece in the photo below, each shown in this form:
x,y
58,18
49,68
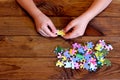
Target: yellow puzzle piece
x,y
60,32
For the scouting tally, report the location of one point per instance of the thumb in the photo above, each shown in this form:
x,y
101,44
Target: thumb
x,y
71,35
68,27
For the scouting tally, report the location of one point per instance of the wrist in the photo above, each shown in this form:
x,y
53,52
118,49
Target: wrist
x,y
84,18
87,16
36,14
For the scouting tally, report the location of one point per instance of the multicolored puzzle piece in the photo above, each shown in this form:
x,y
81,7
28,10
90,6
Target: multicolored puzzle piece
x,y
87,56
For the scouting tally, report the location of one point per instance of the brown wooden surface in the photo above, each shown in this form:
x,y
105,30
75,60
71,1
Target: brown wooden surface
x,y
57,8
25,55
109,26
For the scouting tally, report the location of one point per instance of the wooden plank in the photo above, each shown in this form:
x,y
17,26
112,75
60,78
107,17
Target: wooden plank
x,y
37,46
57,8
10,8
105,73
24,26
108,26
16,26
44,69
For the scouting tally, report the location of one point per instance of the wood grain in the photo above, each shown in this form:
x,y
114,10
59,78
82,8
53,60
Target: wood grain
x,y
26,55
37,46
44,69
58,8
24,25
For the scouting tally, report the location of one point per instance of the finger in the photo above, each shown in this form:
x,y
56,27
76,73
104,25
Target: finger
x,y
48,32
52,27
71,35
68,27
43,33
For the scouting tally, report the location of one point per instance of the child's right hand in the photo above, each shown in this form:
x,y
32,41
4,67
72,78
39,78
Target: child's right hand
x,y
45,26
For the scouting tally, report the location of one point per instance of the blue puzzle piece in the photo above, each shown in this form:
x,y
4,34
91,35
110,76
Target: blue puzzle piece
x,y
88,57
86,66
81,50
90,45
66,54
75,59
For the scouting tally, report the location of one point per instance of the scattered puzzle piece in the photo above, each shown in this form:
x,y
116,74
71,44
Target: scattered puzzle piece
x,y
109,47
68,64
81,57
81,50
98,47
86,66
59,63
76,46
75,59
66,53
90,45
76,65
59,49
88,57
93,67
72,51
107,62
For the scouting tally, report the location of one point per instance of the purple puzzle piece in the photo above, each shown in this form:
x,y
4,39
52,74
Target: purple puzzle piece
x,y
76,45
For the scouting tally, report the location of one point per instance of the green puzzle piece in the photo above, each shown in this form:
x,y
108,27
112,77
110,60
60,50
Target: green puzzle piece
x,y
107,62
80,56
59,49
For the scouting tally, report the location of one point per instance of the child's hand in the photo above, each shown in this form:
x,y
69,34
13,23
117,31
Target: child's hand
x,y
45,26
76,28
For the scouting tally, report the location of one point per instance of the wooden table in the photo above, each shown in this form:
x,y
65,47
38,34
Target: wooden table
x,y
25,55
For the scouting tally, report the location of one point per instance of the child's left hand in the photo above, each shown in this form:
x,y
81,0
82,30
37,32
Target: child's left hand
x,y
77,26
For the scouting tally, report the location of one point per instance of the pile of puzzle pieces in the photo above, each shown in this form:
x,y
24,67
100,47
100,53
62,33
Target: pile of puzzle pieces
x,y
86,56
